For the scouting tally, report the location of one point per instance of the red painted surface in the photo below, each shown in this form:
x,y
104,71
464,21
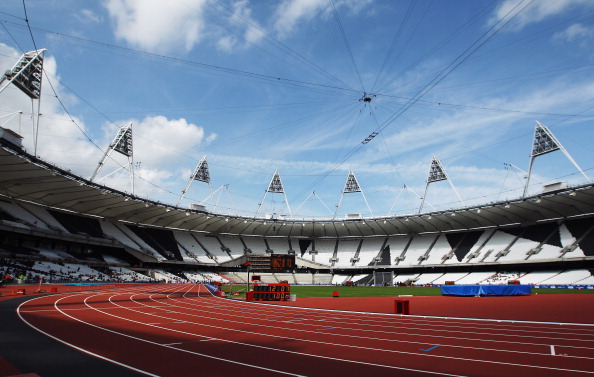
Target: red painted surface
x,y
577,308
11,291
170,330
7,369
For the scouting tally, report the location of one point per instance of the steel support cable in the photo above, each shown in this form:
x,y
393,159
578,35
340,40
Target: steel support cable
x,y
205,66
456,62
549,30
320,129
227,70
283,47
26,19
439,45
225,109
393,45
346,43
582,16
242,137
334,167
88,138
440,77
279,127
300,194
12,15
13,38
382,141
220,141
28,25
485,108
355,123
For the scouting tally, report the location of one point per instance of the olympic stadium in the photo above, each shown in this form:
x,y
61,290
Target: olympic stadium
x,y
100,260
547,236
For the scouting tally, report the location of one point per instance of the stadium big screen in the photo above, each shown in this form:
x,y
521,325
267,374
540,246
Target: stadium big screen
x,y
282,262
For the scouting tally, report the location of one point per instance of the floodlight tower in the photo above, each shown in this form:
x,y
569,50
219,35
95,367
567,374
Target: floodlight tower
x,y
275,187
545,142
26,75
437,173
201,174
122,144
351,186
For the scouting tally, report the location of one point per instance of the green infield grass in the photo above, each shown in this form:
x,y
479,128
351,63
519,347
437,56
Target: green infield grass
x,y
365,291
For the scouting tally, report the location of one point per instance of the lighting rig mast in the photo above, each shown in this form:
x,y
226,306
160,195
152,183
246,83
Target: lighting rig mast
x,y
26,75
545,142
122,144
275,187
437,173
201,174
351,186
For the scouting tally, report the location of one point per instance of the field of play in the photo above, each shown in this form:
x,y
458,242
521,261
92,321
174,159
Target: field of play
x,y
369,291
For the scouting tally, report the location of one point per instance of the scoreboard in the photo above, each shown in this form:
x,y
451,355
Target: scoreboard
x,y
270,292
282,261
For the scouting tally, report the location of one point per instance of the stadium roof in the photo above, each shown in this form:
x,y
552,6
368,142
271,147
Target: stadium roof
x,y
25,177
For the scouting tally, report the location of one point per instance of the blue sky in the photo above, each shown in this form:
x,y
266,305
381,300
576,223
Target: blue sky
x,y
260,86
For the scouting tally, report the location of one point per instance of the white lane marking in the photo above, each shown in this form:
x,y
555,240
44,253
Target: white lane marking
x,y
339,345
205,315
165,345
85,351
287,351
407,326
256,346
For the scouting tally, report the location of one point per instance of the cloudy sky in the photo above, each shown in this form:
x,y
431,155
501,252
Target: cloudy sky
x,y
312,89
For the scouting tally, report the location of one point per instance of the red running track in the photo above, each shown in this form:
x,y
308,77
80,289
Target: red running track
x,y
173,330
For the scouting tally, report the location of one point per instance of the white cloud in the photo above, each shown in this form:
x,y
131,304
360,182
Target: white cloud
x,y
87,15
573,33
535,11
160,140
164,147
226,43
240,30
290,13
242,14
212,137
55,128
157,26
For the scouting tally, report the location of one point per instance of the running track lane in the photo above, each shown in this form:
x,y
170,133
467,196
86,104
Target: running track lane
x,y
172,330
